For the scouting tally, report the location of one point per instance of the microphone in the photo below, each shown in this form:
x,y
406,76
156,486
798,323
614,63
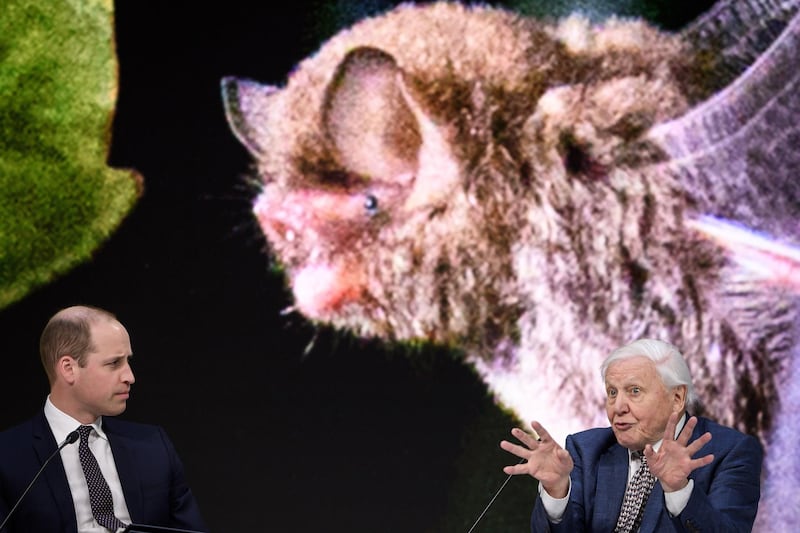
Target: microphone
x,y
72,437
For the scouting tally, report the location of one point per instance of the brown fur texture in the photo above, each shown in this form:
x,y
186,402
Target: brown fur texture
x,y
469,177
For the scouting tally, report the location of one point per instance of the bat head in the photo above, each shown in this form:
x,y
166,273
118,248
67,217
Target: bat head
x,y
409,165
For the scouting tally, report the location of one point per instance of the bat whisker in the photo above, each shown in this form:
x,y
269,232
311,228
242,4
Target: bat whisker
x,y
288,310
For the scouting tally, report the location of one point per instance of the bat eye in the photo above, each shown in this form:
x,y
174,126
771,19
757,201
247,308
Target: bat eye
x,y
371,205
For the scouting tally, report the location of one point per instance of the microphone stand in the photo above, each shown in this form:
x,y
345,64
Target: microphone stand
x,y
72,437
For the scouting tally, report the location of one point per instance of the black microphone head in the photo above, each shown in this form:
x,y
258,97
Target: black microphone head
x,y
72,437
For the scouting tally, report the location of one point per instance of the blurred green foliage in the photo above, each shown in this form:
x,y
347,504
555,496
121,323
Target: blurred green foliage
x,y
58,85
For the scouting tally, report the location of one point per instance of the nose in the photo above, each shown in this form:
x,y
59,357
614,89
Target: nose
x,y
128,376
620,405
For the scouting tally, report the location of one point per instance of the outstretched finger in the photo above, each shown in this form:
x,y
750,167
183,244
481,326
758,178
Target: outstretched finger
x,y
686,432
520,451
528,439
701,461
669,430
540,433
519,468
697,444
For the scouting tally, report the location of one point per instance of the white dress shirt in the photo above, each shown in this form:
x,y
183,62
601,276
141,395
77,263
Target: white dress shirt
x,y
61,424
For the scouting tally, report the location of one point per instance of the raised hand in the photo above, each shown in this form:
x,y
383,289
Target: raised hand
x,y
673,462
545,459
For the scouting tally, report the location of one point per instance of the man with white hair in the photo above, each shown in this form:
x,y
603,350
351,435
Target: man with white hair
x,y
641,474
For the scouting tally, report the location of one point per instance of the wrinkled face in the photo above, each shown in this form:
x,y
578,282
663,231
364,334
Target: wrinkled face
x,y
102,386
638,404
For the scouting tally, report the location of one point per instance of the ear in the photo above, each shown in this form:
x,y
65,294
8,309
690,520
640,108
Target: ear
x,y
679,398
368,118
246,104
381,130
66,368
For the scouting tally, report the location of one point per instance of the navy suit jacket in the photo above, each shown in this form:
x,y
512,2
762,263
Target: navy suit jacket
x,y
151,473
725,495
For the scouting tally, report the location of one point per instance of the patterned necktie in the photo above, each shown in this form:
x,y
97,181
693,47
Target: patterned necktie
x,y
99,493
630,517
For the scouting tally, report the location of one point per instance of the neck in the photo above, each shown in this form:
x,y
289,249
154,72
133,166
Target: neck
x,y
66,405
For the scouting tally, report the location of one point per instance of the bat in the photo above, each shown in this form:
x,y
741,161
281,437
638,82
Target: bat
x,y
535,194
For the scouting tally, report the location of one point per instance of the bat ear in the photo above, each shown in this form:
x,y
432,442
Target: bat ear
x,y
246,107
367,117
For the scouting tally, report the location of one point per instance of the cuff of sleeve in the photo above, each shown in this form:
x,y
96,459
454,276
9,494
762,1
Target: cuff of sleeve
x,y
556,507
676,501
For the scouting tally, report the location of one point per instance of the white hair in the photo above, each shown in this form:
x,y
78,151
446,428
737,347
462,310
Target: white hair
x,y
669,362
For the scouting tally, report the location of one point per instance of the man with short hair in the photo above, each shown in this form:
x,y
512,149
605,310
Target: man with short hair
x,y
641,474
120,472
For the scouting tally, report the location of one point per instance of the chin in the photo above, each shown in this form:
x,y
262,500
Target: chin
x,y
626,442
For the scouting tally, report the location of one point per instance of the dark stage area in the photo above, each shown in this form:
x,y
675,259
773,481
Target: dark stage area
x,y
281,427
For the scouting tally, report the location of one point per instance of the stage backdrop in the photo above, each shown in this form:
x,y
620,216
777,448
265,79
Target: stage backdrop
x,y
283,424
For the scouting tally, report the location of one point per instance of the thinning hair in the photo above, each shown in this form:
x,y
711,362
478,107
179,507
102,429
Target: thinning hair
x,y
68,332
668,360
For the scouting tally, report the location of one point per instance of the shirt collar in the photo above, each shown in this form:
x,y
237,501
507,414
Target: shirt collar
x,y
61,424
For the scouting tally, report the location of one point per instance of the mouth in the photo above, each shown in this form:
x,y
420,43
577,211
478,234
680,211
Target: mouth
x,y
321,290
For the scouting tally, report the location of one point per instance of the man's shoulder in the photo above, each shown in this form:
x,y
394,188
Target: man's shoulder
x,y
124,427
722,435
594,438
17,442
594,434
19,431
24,426
592,445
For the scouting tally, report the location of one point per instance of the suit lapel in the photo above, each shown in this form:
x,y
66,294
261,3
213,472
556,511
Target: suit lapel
x,y
54,475
123,451
612,478
653,509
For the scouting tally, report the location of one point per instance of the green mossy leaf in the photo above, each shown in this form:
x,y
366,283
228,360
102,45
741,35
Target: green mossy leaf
x,y
58,199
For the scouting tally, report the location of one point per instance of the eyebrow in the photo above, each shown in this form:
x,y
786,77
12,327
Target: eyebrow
x,y
118,358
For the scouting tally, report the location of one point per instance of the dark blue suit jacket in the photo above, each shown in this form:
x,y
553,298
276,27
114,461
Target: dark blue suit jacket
x,y
149,469
725,495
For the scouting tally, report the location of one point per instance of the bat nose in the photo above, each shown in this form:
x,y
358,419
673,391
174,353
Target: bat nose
x,y
277,223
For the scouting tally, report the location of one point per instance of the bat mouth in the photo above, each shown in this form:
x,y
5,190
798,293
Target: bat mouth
x,y
322,289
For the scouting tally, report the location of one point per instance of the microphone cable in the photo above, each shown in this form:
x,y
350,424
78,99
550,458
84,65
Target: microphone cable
x,y
496,494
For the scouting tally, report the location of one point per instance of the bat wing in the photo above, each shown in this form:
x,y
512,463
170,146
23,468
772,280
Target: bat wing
x,y
738,152
734,33
761,257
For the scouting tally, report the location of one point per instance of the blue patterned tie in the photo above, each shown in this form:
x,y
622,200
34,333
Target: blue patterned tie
x,y
99,493
630,516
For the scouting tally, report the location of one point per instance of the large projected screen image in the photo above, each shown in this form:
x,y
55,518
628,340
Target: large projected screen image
x,y
373,237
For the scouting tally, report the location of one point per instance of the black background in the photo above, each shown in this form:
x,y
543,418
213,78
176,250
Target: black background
x,y
352,436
